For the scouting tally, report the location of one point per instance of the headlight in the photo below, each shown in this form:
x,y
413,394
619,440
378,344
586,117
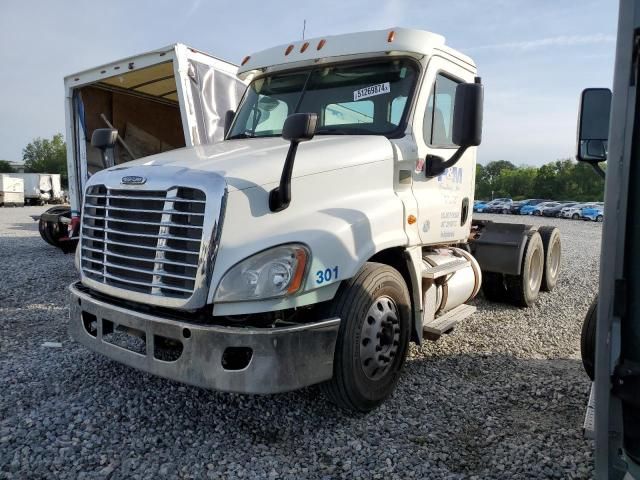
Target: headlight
x,y
276,272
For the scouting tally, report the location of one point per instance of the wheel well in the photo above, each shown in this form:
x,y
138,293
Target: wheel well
x,y
395,257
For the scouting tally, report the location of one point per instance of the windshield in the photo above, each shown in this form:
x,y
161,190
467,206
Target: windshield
x,y
353,99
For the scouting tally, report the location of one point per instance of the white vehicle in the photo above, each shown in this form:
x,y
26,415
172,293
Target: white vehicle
x,y
574,212
11,191
38,187
312,244
158,101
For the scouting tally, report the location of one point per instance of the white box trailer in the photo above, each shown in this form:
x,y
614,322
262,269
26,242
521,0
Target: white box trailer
x,y
37,187
56,189
11,191
158,101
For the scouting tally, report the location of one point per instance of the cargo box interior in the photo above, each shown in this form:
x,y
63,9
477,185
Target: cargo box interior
x,y
141,104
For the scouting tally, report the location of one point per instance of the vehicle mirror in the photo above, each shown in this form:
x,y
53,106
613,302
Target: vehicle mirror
x,y
228,119
593,125
467,115
104,138
300,127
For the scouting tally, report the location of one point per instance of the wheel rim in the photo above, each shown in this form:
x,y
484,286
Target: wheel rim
x,y
380,337
535,271
554,259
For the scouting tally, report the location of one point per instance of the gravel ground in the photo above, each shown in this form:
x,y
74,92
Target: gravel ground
x,y
503,396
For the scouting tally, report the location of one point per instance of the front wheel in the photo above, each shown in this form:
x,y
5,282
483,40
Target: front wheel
x,y
599,218
375,312
575,216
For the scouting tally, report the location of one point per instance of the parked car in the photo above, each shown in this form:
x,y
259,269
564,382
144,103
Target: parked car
x,y
595,214
555,211
499,205
516,206
574,212
479,205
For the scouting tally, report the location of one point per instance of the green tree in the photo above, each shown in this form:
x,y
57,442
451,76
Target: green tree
x,y
5,167
46,156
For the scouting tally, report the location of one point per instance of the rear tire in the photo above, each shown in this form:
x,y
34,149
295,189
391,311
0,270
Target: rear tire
x,y
599,218
375,311
588,340
523,289
552,257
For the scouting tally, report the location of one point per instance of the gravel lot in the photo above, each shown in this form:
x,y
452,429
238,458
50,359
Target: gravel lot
x,y
503,396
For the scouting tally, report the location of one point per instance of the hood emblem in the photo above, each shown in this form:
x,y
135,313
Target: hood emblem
x,y
133,180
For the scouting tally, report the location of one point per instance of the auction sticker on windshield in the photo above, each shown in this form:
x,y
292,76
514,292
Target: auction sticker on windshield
x,y
372,91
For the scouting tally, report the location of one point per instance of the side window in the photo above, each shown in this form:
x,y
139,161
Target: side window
x,y
438,117
348,113
397,109
268,117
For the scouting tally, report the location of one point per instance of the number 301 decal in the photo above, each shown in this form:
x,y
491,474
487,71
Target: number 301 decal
x,y
326,275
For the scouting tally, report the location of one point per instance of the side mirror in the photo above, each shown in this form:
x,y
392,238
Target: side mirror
x,y
467,126
298,127
467,115
228,119
593,125
105,139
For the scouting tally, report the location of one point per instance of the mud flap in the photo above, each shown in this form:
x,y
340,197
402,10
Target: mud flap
x,y
499,246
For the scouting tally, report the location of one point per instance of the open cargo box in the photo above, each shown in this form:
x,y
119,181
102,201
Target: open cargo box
x,y
161,100
169,98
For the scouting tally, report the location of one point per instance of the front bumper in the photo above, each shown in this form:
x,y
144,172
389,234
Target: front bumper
x,y
281,359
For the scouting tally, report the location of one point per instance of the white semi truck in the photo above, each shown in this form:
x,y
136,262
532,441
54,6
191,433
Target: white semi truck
x,y
330,227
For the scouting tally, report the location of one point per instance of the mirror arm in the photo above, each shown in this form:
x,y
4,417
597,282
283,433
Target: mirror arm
x,y
601,173
280,197
435,165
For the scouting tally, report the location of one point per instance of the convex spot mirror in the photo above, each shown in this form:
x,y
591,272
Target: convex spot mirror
x,y
593,125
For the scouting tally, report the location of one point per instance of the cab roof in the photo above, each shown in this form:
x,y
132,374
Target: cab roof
x,y
393,40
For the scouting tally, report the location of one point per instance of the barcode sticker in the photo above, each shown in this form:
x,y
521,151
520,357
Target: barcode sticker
x,y
372,91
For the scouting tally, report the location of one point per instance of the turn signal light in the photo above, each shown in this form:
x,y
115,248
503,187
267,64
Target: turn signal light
x,y
245,59
411,219
288,50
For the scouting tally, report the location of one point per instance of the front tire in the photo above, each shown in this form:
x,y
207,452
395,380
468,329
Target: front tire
x,y
588,340
375,312
599,218
575,216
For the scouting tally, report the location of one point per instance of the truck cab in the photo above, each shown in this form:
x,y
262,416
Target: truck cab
x,y
331,227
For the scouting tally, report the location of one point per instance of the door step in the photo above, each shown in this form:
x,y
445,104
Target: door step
x,y
445,322
444,269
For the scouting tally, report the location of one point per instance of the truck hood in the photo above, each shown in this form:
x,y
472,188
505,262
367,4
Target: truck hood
x,y
253,162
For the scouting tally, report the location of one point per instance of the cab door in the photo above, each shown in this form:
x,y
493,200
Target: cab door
x,y
444,202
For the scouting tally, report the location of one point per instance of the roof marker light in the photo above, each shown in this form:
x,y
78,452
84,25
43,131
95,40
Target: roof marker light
x,y
288,50
304,46
391,37
245,59
321,44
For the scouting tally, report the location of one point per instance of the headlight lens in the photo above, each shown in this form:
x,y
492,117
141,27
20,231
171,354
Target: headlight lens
x,y
276,272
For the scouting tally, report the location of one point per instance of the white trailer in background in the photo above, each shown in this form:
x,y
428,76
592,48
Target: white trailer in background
x,y
38,188
158,101
11,191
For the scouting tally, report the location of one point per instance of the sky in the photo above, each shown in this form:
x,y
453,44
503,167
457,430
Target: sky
x,y
534,56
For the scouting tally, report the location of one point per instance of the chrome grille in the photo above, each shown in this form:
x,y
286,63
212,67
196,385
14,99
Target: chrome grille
x,y
146,241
